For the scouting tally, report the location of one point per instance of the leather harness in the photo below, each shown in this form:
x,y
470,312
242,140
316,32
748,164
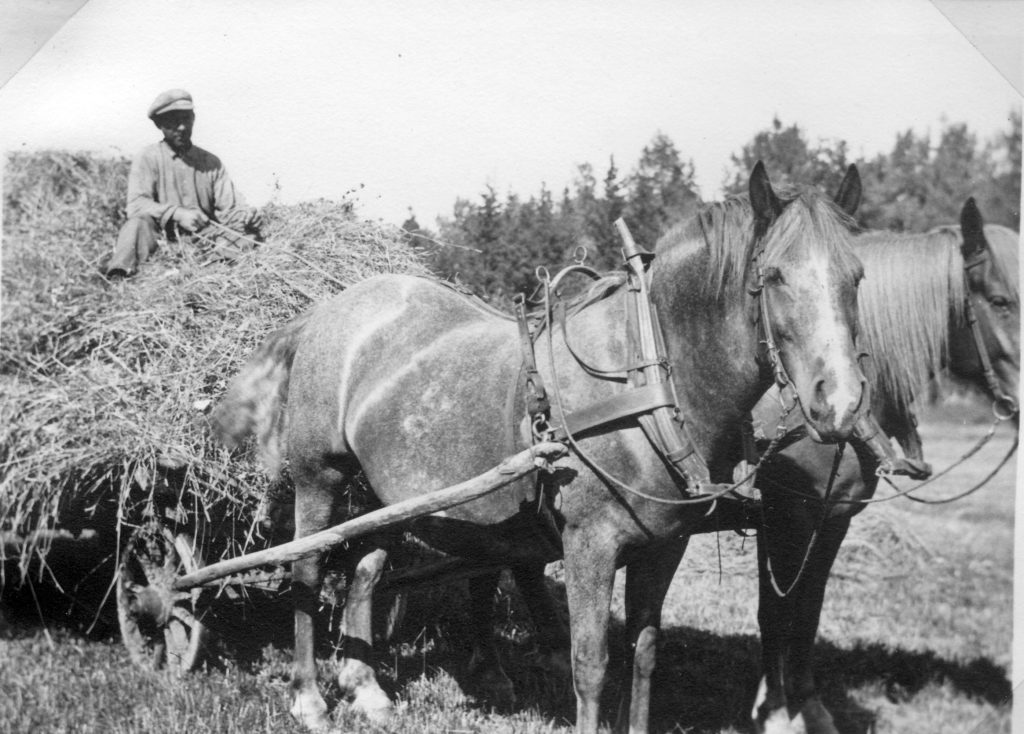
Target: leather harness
x,y
651,399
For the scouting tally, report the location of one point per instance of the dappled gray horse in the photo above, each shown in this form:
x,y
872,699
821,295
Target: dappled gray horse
x,y
913,325
416,385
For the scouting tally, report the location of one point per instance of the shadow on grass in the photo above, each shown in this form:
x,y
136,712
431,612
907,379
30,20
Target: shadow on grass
x,y
703,682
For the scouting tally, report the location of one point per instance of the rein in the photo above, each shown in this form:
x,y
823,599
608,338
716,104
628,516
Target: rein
x,y
840,448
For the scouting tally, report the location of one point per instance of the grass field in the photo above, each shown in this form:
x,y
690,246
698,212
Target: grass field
x,y
915,637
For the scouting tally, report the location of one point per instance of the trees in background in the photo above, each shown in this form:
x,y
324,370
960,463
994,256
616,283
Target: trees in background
x,y
921,183
494,245
790,160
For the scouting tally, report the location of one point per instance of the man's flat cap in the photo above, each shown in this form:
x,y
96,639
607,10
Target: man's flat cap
x,y
169,101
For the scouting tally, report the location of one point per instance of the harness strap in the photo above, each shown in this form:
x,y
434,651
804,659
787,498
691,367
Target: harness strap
x,y
601,371
1004,406
663,427
534,394
632,402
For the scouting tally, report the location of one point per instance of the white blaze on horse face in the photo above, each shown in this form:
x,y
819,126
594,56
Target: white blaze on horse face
x,y
832,343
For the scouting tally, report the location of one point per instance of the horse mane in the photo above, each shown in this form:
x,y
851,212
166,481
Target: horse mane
x,y
913,284
726,230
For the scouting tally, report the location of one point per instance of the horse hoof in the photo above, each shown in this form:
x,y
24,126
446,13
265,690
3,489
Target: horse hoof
x,y
372,703
777,722
311,713
814,718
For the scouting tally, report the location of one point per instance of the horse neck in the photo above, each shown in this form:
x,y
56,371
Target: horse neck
x,y
711,342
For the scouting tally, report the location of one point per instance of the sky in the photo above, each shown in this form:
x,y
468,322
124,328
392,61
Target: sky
x,y
413,104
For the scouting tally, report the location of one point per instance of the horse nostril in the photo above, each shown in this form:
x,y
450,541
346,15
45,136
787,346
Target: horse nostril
x,y
820,393
865,396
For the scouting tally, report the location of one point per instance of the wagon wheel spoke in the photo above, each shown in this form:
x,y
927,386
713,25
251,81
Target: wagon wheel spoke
x,y
159,626
188,552
183,614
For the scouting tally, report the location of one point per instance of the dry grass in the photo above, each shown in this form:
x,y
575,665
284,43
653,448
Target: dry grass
x,y
105,385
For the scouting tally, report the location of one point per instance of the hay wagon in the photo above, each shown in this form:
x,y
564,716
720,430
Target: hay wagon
x,y
164,588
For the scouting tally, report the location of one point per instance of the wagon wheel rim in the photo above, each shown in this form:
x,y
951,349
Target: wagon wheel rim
x,y
159,627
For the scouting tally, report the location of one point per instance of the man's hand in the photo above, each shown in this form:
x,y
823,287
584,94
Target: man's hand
x,y
191,220
253,219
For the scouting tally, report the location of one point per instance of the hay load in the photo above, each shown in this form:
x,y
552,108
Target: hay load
x,y
105,385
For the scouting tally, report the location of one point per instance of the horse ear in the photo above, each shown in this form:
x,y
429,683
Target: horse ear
x,y
850,190
972,229
765,203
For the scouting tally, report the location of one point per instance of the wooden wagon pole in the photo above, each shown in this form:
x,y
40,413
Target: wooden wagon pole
x,y
508,471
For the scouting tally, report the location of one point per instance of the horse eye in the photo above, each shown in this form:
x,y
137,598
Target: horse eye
x,y
774,276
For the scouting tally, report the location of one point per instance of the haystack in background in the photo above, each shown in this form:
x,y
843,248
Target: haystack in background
x,y
105,385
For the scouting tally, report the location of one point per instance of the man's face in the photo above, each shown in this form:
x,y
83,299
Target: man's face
x,y
177,128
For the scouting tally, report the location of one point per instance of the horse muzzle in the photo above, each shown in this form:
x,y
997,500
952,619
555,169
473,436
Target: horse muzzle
x,y
830,411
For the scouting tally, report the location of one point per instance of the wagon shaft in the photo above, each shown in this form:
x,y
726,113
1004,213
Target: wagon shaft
x,y
511,469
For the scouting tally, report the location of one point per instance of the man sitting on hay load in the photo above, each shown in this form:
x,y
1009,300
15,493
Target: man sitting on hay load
x,y
176,186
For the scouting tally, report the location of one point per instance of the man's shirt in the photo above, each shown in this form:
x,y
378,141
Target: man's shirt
x,y
161,180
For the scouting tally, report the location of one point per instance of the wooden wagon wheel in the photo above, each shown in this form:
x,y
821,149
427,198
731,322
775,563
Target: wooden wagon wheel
x,y
159,626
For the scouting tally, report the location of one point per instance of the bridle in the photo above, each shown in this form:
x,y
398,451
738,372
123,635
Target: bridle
x,y
769,348
1004,406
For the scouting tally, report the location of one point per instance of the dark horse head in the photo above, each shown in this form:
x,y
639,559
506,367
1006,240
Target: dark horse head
x,y
991,256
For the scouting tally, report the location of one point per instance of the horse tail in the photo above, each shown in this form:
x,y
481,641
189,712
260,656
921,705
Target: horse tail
x,y
256,399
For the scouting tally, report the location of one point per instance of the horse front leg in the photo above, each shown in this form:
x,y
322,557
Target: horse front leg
x,y
551,629
803,696
648,577
792,591
590,557
484,668
785,537
355,668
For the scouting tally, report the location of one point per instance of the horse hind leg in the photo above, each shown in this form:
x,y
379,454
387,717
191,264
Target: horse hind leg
x,y
314,507
356,677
